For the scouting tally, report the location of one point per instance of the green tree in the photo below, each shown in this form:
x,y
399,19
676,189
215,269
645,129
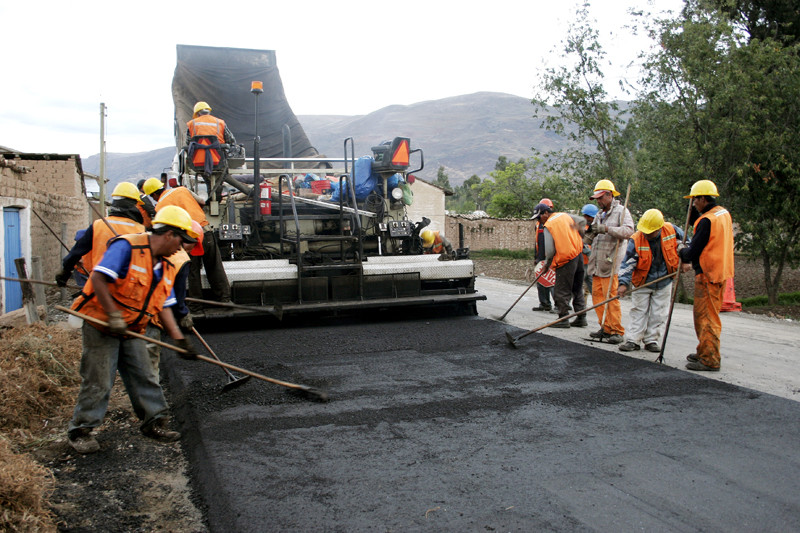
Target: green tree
x,y
724,105
572,102
442,179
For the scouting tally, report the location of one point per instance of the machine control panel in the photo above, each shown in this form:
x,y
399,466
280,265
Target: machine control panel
x,y
400,228
231,232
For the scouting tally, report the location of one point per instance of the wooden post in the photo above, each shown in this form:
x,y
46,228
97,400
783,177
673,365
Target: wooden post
x,y
31,314
39,297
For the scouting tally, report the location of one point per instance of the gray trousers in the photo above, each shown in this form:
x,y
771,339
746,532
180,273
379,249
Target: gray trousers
x,y
103,355
569,287
211,260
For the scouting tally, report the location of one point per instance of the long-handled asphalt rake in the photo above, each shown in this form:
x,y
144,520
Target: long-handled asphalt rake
x,y
310,392
539,275
233,381
513,340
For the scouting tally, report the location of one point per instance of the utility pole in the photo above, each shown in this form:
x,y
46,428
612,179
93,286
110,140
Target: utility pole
x,y
102,178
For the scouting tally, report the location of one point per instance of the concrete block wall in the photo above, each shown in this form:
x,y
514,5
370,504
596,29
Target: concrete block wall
x,y
53,189
489,233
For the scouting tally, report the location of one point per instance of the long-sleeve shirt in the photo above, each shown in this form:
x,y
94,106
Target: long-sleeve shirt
x,y
619,222
658,267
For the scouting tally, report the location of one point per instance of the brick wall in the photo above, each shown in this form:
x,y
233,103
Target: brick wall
x,y
52,188
487,233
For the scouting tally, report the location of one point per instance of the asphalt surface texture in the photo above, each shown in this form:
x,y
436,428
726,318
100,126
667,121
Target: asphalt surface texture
x,y
435,423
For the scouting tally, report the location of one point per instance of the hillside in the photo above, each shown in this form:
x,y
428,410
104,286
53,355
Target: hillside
x,y
465,134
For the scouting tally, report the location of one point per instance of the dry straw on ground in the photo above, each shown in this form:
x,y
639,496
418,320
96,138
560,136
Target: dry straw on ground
x,y
38,380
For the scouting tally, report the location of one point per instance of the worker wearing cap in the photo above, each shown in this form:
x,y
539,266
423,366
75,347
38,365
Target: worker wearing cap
x,y
589,211
435,243
652,253
563,243
611,227
711,256
541,213
211,258
204,124
131,284
123,218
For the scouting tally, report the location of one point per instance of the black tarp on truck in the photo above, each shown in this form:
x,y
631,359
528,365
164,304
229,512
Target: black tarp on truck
x,y
221,77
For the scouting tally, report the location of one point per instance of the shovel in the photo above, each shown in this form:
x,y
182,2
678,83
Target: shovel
x,y
310,392
233,381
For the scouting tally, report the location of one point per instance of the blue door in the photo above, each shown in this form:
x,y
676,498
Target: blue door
x,y
13,250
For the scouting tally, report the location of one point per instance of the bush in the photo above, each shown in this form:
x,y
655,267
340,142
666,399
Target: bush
x,y
787,298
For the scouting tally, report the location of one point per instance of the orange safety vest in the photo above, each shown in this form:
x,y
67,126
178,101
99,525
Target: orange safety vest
x,y
182,197
102,234
178,259
567,240
716,259
669,249
438,244
146,221
206,126
138,296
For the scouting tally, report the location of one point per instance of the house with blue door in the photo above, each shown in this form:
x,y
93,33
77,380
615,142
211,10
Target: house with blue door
x,y
42,206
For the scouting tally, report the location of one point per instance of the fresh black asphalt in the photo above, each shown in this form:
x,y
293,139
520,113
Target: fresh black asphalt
x,y
436,424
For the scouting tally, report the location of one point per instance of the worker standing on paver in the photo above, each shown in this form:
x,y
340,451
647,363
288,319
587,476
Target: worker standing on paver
x,y
563,246
123,218
711,256
205,133
132,283
652,254
211,259
435,243
611,227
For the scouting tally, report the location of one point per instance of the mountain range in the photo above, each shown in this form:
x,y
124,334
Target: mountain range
x,y
464,134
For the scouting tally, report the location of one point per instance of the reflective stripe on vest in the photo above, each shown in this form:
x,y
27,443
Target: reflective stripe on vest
x,y
138,296
669,250
716,259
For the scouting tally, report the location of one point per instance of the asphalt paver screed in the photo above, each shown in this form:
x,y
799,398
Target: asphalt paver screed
x,y
437,424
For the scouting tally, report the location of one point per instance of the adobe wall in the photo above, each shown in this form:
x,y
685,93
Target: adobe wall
x,y
53,189
488,233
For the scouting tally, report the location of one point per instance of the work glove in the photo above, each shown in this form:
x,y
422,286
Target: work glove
x,y
681,246
444,257
186,323
622,290
190,352
116,324
600,229
62,277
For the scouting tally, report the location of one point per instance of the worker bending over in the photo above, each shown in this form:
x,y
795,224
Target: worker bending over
x,y
711,256
131,284
563,247
652,254
434,243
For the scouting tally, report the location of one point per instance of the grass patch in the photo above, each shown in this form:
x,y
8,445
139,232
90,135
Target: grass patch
x,y
786,298
500,253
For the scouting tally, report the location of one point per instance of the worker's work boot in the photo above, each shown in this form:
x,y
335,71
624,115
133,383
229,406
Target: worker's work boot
x,y
697,365
614,339
629,346
564,324
652,347
82,441
579,322
541,307
691,357
158,430
599,334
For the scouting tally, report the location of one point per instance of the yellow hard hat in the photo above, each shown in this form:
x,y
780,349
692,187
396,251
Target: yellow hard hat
x,y
427,238
703,188
152,185
178,218
601,187
201,106
652,220
127,189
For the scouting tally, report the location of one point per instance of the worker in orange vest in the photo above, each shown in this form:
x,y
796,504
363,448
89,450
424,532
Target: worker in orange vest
x,y
563,246
123,218
541,213
215,131
434,243
710,254
652,254
211,258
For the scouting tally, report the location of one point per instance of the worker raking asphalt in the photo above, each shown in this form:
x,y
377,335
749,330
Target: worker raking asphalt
x,y
437,423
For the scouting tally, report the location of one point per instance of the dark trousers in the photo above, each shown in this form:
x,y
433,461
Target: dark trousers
x,y
569,287
544,295
212,261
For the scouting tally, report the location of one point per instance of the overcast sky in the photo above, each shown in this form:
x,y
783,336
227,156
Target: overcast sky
x,y
61,59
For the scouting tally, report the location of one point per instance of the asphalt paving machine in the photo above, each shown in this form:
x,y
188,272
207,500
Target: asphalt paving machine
x,y
306,232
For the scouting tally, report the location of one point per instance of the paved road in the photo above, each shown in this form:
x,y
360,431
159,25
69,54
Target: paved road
x,y
758,352
436,424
